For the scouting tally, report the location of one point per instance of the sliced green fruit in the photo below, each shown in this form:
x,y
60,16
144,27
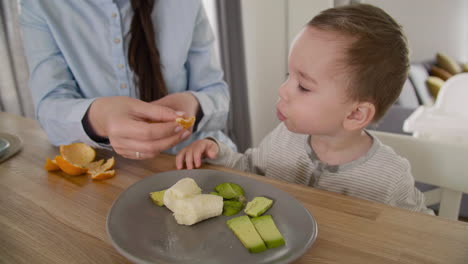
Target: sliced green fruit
x,y
246,233
232,207
258,206
158,197
267,229
229,190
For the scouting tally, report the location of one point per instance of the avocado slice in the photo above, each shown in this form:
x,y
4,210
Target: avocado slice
x,y
232,207
246,233
158,197
258,206
230,190
267,229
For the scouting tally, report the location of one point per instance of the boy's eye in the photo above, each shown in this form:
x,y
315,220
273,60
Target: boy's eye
x,y
302,89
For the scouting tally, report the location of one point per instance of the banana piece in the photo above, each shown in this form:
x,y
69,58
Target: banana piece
x,y
182,189
198,208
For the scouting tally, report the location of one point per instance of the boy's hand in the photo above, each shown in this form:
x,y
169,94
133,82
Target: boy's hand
x,y
193,153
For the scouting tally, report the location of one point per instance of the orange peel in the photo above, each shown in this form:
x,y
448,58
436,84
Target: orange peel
x,y
77,159
51,165
186,122
78,153
103,167
69,167
94,165
103,175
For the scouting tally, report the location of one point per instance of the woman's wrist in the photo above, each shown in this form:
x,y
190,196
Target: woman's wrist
x,y
199,117
88,128
90,125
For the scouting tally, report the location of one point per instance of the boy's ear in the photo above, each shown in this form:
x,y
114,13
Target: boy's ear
x,y
360,116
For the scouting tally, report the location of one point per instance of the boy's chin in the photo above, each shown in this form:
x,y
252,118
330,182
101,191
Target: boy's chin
x,y
293,128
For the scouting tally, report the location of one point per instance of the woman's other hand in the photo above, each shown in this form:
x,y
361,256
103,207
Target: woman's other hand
x,y
192,155
136,129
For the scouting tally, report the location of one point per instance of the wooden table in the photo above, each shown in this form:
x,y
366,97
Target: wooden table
x,y
55,218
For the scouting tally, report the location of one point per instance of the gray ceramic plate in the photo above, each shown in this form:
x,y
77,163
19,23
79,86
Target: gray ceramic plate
x,y
4,145
146,233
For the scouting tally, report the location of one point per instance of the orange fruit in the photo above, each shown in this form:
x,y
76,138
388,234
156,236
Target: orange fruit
x,y
51,165
186,122
78,153
69,167
103,175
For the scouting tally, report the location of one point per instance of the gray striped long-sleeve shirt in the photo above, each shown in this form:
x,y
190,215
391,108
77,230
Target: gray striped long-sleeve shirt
x,y
380,175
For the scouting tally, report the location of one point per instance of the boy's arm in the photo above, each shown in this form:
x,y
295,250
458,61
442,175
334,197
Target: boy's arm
x,y
406,195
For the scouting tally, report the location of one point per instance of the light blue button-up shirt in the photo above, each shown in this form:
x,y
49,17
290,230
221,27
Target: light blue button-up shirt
x,y
77,51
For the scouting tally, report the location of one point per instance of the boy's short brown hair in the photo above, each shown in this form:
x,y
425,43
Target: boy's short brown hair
x,y
378,58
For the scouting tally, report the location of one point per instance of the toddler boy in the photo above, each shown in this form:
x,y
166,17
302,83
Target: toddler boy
x,y
346,68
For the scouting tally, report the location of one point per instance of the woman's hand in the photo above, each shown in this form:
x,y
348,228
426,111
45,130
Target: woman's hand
x,y
136,129
193,153
183,102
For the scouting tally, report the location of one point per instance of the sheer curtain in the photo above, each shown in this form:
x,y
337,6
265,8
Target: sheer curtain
x,y
231,49
14,92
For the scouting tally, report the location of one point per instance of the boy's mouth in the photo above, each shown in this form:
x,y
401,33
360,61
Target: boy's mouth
x,y
280,116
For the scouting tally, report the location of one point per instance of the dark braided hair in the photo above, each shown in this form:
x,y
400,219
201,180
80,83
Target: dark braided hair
x,y
143,55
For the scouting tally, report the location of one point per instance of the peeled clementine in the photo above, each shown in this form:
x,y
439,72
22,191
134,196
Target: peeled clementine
x,y
186,122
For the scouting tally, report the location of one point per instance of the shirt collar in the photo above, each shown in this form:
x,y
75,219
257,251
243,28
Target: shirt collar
x,y
336,168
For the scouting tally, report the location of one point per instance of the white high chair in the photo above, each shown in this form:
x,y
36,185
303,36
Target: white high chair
x,y
447,119
453,96
442,164
438,150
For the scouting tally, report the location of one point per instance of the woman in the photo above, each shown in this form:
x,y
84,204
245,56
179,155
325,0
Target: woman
x,y
118,72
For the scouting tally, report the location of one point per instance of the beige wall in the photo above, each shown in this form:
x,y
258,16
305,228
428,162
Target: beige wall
x,y
264,26
431,26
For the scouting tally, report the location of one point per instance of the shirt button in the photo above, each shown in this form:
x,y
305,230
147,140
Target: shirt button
x,y
120,66
123,86
116,40
114,15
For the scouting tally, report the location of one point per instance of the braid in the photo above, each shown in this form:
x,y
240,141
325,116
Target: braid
x,y
143,55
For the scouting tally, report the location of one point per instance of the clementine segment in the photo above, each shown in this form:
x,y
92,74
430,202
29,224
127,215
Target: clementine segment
x,y
187,122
